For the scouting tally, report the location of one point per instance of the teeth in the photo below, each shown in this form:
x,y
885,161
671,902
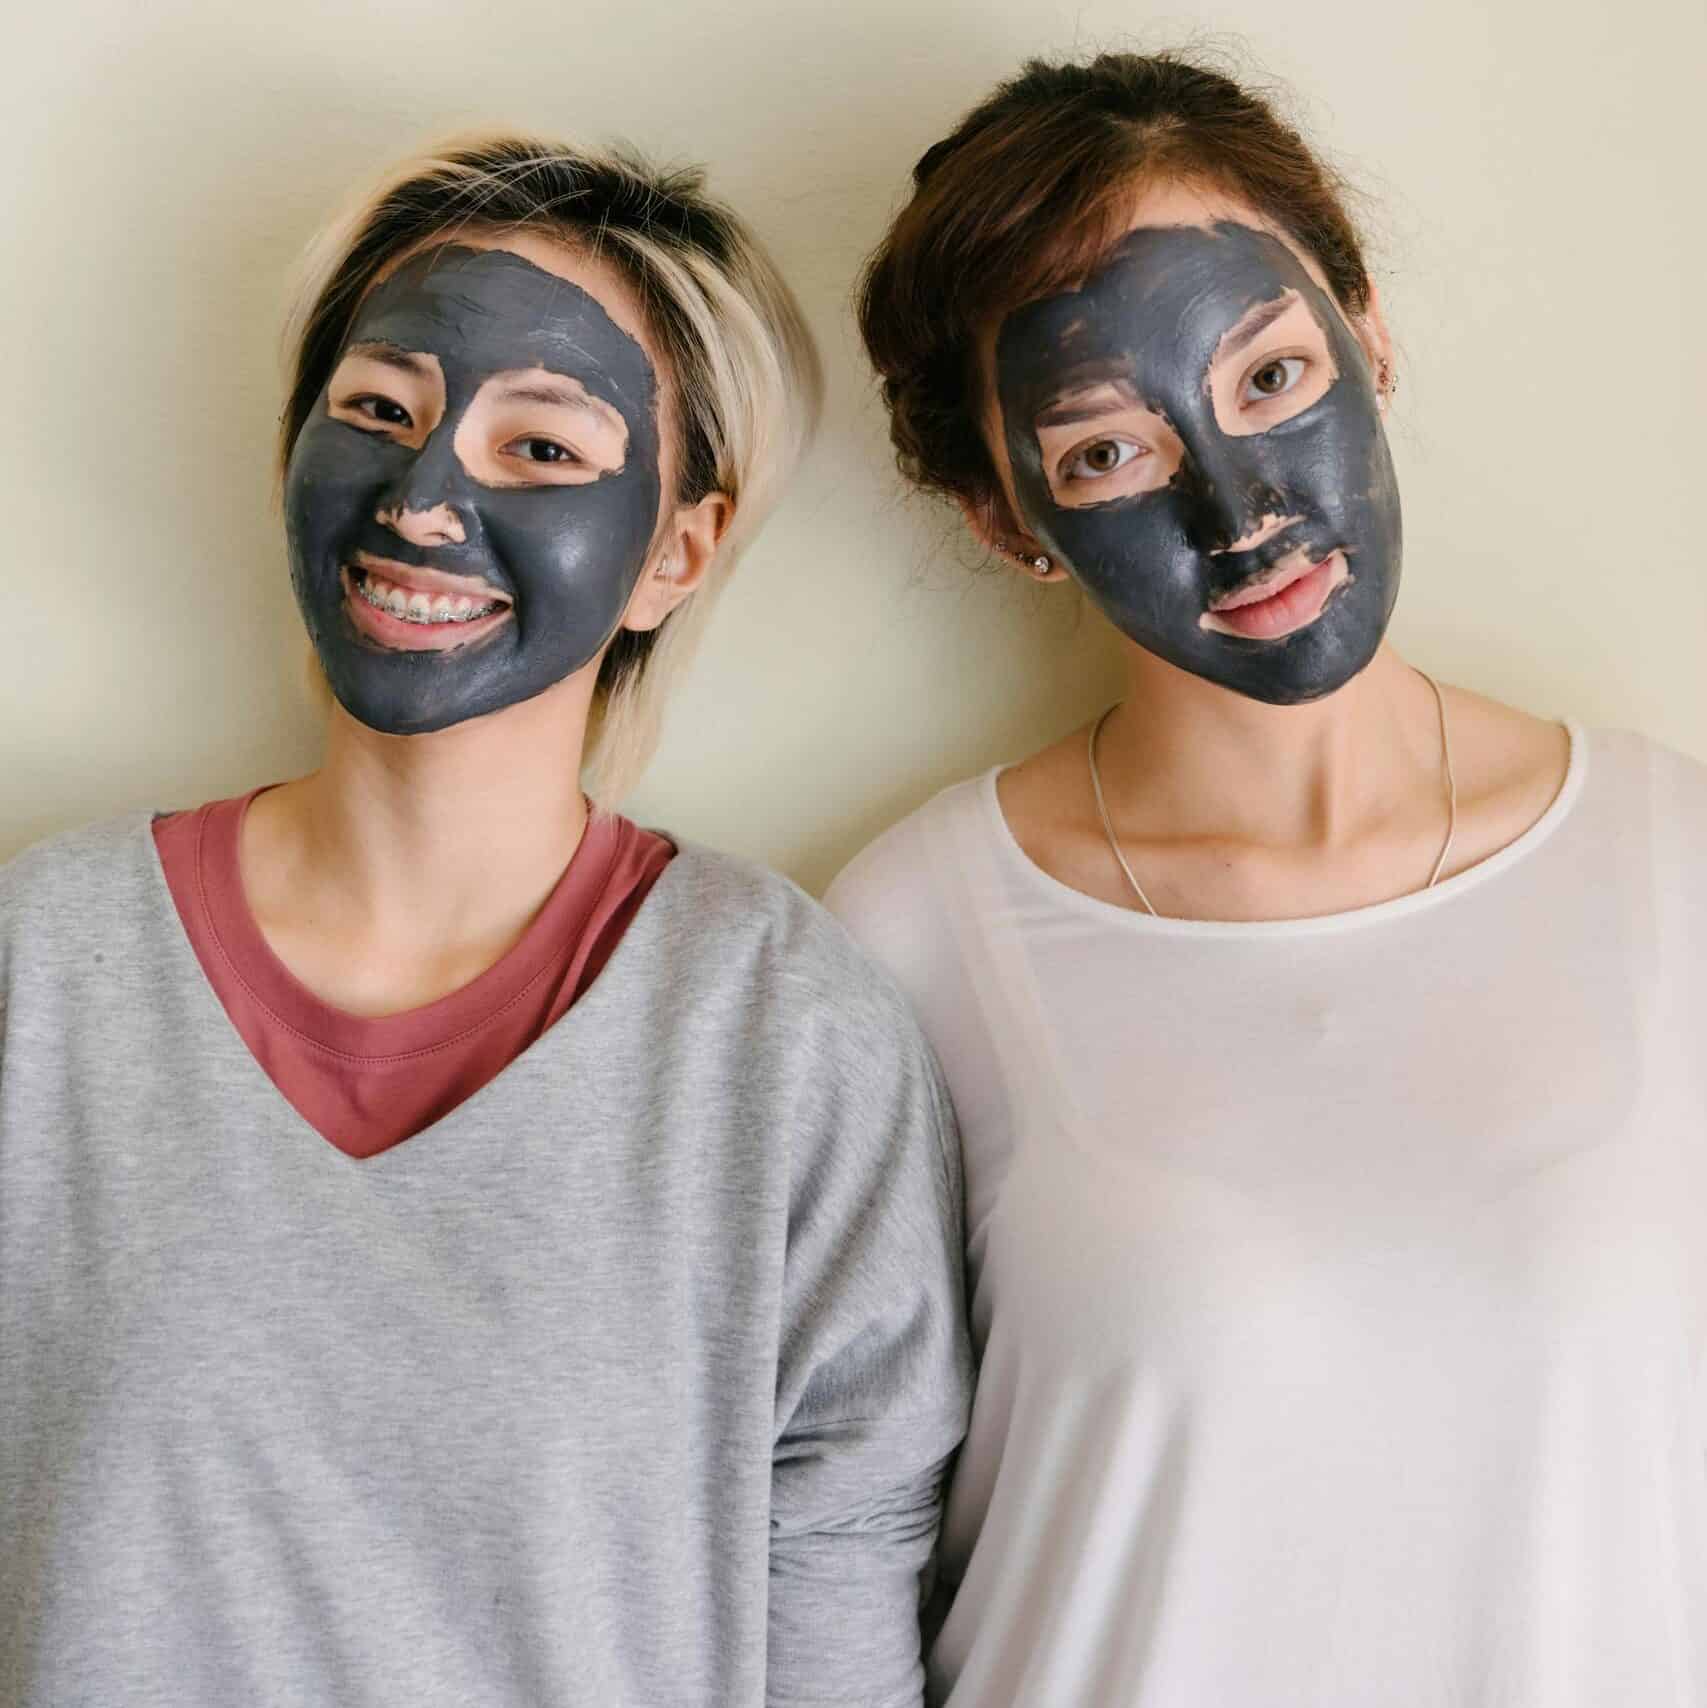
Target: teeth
x,y
422,608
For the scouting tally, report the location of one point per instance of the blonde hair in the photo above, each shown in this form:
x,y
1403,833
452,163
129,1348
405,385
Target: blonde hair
x,y
743,371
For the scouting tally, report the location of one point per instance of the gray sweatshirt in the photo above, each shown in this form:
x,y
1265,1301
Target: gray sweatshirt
x,y
629,1383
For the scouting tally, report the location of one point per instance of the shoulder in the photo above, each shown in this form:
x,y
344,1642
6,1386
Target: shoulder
x,y
895,884
748,953
1514,768
78,875
1509,767
1634,782
68,905
1646,803
1509,755
742,906
765,940
1626,753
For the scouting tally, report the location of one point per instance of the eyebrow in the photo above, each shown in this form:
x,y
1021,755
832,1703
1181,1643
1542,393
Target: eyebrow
x,y
392,356
1088,402
1253,323
567,394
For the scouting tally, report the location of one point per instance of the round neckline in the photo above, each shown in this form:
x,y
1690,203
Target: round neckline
x,y
1376,913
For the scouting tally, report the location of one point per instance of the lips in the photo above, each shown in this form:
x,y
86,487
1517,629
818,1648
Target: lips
x,y
402,608
416,578
1278,601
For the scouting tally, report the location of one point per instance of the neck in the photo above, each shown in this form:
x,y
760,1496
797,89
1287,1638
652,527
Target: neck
x,y
431,839
1184,758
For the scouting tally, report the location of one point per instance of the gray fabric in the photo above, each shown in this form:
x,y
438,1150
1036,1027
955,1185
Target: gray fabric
x,y
630,1382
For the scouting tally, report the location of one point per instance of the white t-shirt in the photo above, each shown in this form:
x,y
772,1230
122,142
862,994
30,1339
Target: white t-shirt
x,y
1339,1284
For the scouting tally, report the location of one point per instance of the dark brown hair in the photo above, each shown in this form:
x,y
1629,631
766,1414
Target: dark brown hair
x,y
1031,190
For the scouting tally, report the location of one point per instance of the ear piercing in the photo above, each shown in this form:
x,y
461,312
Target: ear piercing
x,y
1386,381
1040,566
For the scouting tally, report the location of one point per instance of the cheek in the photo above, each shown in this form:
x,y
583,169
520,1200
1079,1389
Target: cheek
x,y
570,542
545,539
334,478
1339,464
1134,559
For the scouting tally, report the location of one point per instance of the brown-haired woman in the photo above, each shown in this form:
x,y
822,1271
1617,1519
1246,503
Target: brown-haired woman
x,y
1325,1042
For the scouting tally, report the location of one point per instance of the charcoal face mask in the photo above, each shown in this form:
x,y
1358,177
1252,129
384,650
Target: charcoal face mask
x,y
566,556
1150,321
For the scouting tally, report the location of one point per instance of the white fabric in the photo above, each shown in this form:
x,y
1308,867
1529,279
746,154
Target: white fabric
x,y
1338,1284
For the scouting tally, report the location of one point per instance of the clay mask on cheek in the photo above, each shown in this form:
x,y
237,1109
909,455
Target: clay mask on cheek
x,y
1194,568
523,581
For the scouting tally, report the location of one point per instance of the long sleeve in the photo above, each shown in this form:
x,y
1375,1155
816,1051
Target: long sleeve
x,y
629,1383
873,1384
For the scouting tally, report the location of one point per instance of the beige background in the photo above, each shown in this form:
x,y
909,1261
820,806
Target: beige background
x,y
1536,170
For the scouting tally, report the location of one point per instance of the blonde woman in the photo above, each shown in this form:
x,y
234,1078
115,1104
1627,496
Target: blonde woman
x,y
456,1245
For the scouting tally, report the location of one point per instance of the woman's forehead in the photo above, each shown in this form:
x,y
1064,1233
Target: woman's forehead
x,y
486,310
1170,203
1176,201
555,257
1164,290
1165,205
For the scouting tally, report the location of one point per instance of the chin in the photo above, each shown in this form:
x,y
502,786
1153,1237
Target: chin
x,y
1288,694
1297,670
384,718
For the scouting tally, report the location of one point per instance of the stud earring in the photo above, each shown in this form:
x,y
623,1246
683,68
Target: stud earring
x,y
1040,565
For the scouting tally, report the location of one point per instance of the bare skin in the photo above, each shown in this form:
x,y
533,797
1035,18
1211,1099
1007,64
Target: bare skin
x,y
406,866
1227,808
1230,809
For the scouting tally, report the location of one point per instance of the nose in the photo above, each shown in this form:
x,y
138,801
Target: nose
x,y
439,526
1231,506
421,506
1264,530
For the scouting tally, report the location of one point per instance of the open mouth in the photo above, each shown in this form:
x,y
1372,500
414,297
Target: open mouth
x,y
418,610
1280,601
385,595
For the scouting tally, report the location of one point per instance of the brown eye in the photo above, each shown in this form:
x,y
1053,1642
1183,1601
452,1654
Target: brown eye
x,y
1101,457
1273,378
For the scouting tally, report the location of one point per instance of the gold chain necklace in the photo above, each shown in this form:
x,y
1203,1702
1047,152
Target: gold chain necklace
x,y
1446,766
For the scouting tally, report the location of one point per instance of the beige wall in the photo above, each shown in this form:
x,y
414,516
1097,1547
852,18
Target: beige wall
x,y
1537,173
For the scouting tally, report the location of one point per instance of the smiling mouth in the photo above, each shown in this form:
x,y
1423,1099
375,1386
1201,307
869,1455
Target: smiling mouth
x,y
422,596
387,596
405,609
1279,601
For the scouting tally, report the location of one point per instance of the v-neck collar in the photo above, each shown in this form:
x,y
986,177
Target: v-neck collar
x,y
435,1025
569,1036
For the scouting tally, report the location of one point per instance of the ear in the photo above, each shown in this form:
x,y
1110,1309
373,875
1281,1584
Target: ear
x,y
992,522
1377,342
679,560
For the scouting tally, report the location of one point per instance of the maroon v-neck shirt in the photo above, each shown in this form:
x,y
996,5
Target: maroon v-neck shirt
x,y
368,1084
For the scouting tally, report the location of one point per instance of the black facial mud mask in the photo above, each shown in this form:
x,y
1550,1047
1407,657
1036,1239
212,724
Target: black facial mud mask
x,y
567,557
1150,322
